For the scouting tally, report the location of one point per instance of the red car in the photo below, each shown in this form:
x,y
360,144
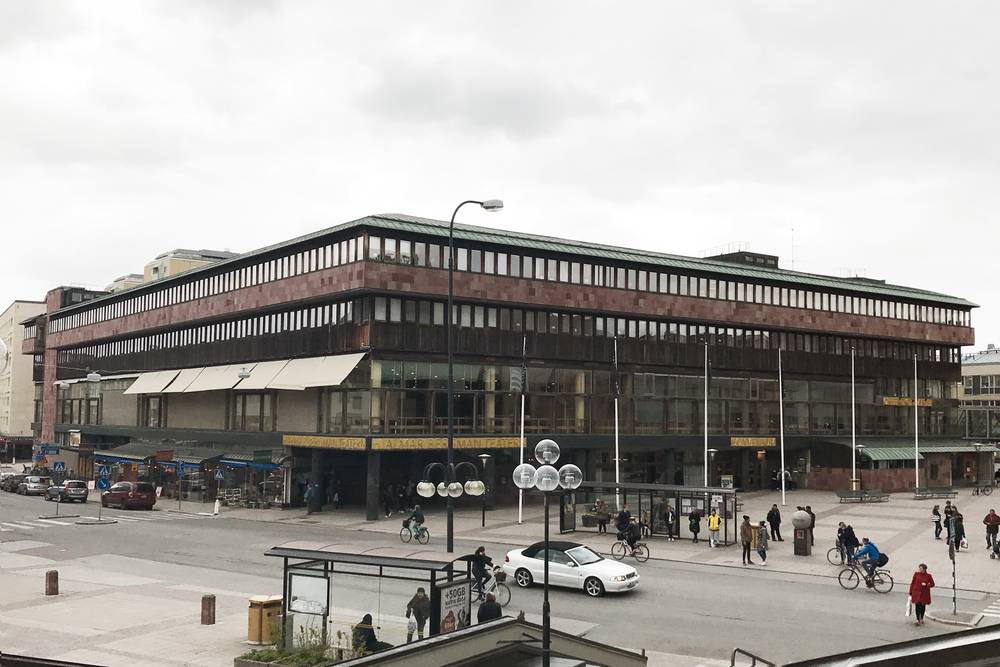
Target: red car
x,y
130,495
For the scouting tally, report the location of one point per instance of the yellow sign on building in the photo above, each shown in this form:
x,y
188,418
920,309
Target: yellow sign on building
x,y
323,442
752,442
383,444
902,402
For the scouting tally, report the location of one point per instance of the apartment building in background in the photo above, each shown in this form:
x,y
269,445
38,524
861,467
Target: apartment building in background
x,y
17,389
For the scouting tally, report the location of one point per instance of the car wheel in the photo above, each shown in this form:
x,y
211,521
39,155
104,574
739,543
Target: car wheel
x,y
593,587
523,577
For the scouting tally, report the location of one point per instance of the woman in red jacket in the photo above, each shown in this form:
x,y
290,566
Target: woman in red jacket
x,y
920,591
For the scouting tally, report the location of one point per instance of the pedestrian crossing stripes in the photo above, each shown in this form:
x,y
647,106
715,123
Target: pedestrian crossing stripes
x,y
36,524
993,611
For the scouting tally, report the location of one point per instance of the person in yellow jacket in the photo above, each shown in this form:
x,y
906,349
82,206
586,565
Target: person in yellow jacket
x,y
714,522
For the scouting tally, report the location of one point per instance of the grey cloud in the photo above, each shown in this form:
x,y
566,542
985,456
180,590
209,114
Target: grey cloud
x,y
26,21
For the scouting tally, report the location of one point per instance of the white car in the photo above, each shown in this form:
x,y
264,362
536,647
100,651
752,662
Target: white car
x,y
571,565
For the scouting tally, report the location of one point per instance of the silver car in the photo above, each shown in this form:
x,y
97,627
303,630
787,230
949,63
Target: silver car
x,y
71,489
33,485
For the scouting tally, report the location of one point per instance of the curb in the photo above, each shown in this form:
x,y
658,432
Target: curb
x,y
172,511
96,522
59,516
949,621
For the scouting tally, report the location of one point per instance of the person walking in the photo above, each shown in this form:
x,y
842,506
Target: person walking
x,y
812,525
747,538
949,513
603,516
920,591
992,523
714,523
669,520
489,610
957,529
936,520
420,607
694,525
762,542
307,497
480,563
774,519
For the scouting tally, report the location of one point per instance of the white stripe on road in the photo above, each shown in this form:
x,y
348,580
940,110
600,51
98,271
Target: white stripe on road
x,y
56,523
34,524
122,518
15,525
131,518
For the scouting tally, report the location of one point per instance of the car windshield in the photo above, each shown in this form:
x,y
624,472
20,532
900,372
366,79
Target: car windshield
x,y
583,555
76,485
144,488
33,480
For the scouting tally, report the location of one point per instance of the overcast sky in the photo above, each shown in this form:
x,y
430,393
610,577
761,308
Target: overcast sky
x,y
129,128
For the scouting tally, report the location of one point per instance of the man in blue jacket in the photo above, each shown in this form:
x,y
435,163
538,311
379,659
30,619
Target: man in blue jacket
x,y
868,555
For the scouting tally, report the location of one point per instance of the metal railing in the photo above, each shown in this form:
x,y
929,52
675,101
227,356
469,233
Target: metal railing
x,y
754,659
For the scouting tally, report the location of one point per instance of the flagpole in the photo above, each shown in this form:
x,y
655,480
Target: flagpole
x,y
854,430
706,414
524,387
618,497
916,428
781,426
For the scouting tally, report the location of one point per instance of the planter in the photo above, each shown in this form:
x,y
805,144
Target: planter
x,y
243,662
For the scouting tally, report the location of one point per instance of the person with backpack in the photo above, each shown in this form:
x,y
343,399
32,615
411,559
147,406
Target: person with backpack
x,y
870,558
936,520
694,525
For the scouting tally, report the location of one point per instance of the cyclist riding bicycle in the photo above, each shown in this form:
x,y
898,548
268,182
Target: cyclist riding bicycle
x,y
632,534
480,561
868,556
415,521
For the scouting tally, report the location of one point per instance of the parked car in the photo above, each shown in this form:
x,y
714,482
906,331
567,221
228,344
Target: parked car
x,y
11,483
34,485
71,489
130,495
571,565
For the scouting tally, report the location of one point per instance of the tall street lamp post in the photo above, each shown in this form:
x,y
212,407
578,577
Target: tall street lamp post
x,y
485,458
489,205
546,478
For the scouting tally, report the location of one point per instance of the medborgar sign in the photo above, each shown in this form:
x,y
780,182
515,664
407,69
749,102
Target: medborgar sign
x,y
455,605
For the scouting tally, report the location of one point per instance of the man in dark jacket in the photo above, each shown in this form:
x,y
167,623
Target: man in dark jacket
x,y
848,540
992,523
774,520
480,561
489,610
420,606
812,525
622,521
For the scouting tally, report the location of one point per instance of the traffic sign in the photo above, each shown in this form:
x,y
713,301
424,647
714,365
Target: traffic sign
x,y
220,474
103,471
59,466
103,483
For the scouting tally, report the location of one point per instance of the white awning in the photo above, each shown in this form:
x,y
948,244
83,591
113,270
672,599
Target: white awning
x,y
183,380
261,374
301,374
218,378
124,376
152,383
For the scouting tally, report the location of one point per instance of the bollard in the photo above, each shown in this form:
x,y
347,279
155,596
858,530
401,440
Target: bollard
x,y
208,610
52,582
218,506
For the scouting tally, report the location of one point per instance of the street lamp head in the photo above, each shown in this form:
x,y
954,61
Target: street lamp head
x,y
425,489
493,205
524,476
547,452
547,478
475,488
455,489
570,477
442,489
244,373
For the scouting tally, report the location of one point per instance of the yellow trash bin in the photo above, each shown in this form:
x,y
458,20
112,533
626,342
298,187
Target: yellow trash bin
x,y
270,617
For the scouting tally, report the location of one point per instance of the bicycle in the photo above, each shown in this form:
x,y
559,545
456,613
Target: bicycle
x,y
496,584
837,555
405,534
620,549
982,490
850,577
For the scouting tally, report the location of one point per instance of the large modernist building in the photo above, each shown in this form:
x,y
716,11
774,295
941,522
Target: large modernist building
x,y
16,389
330,349
980,394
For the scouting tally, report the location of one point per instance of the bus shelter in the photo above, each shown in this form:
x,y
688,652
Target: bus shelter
x,y
648,503
312,604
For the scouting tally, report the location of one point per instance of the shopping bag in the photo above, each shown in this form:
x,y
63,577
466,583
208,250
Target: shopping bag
x,y
909,607
965,543
411,625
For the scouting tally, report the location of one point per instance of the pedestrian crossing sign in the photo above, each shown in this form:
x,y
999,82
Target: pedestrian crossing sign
x,y
220,474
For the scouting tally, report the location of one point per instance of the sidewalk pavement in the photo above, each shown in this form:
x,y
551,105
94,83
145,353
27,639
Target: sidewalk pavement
x,y
900,527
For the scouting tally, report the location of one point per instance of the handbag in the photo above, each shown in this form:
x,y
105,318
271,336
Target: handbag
x,y
909,606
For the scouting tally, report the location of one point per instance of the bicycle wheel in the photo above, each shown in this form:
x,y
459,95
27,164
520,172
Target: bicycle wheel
x,y
641,553
987,490
503,594
882,581
835,556
405,535
618,550
424,536
849,578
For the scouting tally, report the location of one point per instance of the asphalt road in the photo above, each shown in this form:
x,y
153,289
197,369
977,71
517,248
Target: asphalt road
x,y
679,607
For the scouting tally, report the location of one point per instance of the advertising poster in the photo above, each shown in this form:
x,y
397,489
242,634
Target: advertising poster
x,y
308,594
456,605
